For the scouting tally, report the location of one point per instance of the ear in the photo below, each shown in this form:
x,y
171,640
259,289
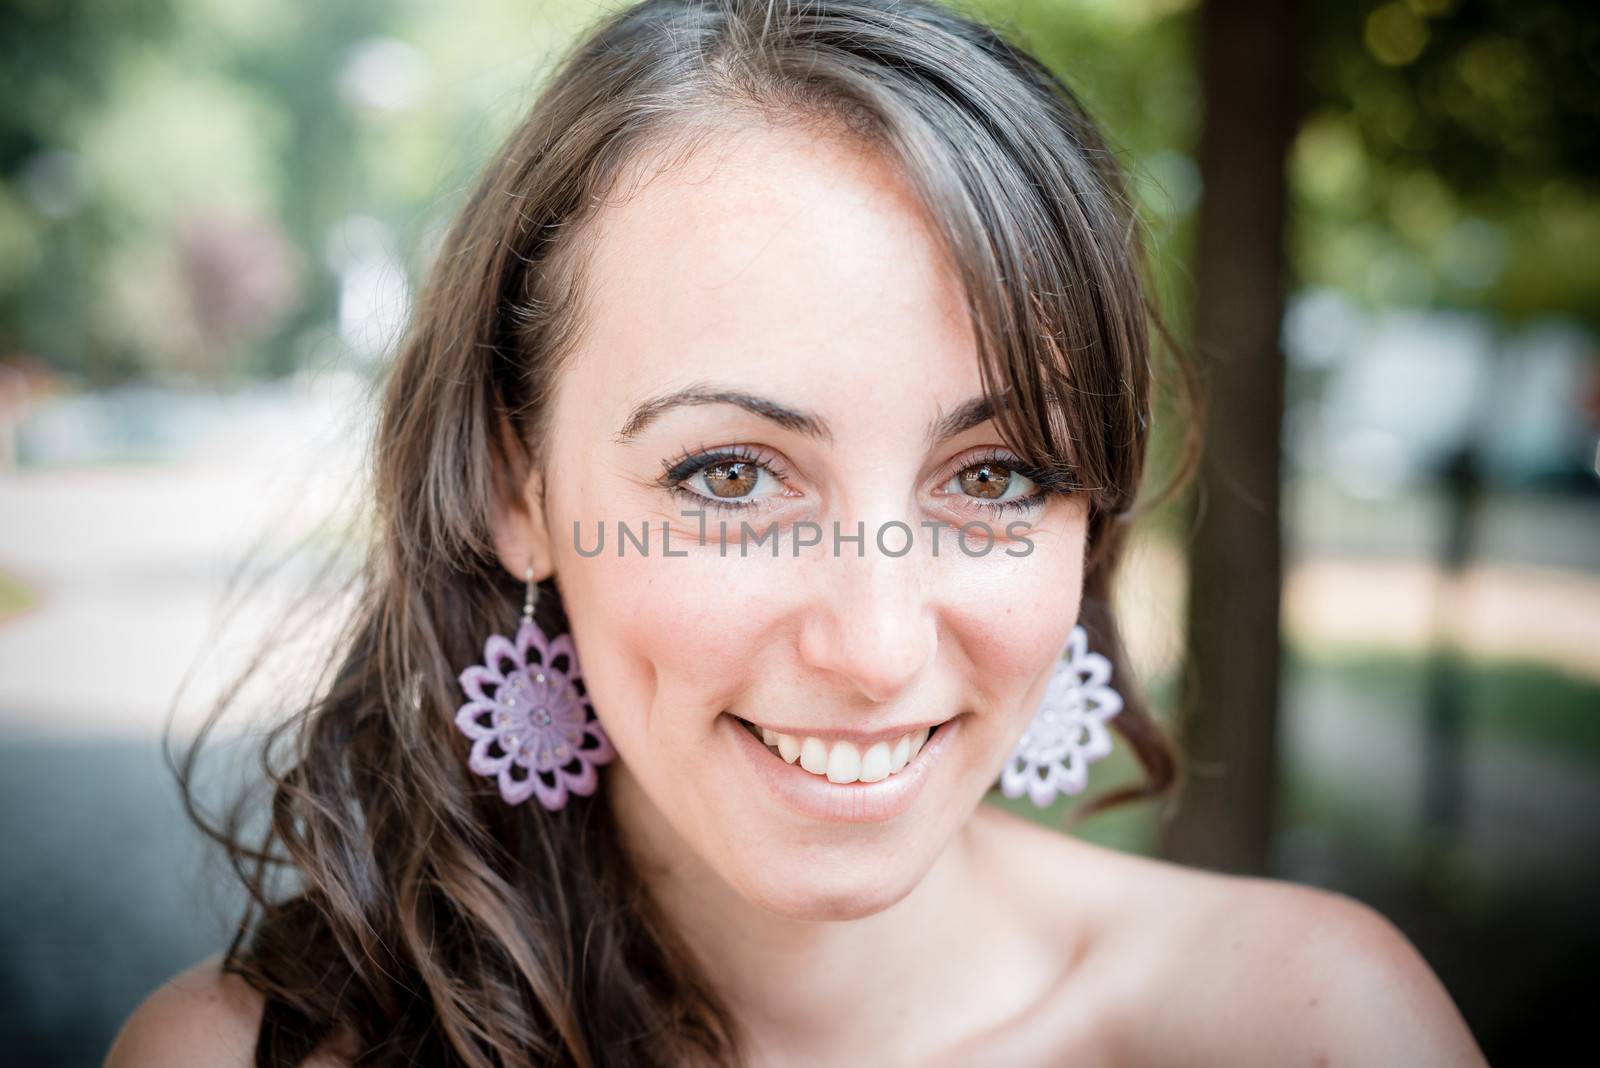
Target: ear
x,y
521,536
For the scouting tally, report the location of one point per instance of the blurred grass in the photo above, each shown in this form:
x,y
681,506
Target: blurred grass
x,y
1521,701
15,596
1518,700
1444,867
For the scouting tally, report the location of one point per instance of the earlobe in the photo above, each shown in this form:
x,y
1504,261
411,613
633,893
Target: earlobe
x,y
521,538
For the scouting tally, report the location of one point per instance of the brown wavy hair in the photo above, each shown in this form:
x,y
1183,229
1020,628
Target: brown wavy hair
x,y
399,911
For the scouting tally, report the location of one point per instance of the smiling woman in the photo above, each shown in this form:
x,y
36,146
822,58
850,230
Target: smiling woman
x,y
842,264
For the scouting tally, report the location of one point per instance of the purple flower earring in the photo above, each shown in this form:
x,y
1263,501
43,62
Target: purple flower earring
x,y
1069,731
529,716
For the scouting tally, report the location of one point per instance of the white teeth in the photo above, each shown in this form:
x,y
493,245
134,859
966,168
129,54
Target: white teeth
x,y
876,763
845,762
814,756
789,747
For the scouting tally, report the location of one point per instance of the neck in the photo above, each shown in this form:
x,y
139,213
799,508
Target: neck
x,y
827,987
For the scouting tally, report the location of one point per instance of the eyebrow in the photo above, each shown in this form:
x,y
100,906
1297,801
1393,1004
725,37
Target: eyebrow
x,y
963,417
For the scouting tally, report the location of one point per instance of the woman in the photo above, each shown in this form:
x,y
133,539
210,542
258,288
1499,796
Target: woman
x,y
760,301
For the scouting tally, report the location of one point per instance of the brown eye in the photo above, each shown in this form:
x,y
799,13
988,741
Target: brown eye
x,y
993,484
731,479
988,480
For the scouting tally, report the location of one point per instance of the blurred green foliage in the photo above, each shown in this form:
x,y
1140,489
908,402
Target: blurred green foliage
x,y
177,176
172,174
1450,155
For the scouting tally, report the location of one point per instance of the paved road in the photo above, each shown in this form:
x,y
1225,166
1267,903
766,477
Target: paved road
x,y
103,892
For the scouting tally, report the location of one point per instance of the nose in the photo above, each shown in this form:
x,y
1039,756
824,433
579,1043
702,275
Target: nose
x,y
872,623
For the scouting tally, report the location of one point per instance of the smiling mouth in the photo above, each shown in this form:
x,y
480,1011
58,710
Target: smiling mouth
x,y
841,761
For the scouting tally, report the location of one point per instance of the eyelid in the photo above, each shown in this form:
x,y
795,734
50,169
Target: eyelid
x,y
678,470
1045,486
1049,484
982,455
690,461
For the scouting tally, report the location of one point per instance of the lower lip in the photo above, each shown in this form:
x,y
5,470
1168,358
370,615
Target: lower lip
x,y
852,802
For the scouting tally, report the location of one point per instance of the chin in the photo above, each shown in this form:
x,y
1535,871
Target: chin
x,y
800,846
812,885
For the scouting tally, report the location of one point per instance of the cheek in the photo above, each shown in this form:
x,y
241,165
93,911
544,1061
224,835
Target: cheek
x,y
1009,618
668,642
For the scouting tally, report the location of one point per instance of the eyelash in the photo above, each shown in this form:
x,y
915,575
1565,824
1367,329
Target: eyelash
x,y
1045,485
686,465
680,469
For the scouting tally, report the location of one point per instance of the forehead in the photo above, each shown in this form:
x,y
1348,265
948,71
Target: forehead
x,y
797,265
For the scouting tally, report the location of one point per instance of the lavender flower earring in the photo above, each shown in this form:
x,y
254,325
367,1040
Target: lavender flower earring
x,y
529,716
1069,731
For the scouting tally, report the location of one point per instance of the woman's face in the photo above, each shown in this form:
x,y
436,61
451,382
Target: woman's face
x,y
794,273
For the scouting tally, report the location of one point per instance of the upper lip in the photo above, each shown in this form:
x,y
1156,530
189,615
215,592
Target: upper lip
x,y
850,734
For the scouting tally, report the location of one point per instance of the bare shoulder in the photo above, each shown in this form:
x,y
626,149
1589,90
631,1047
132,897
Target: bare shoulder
x,y
1189,966
199,1016
1313,975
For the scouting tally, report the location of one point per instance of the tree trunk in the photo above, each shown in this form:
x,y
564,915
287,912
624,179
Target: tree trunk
x,y
1250,77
